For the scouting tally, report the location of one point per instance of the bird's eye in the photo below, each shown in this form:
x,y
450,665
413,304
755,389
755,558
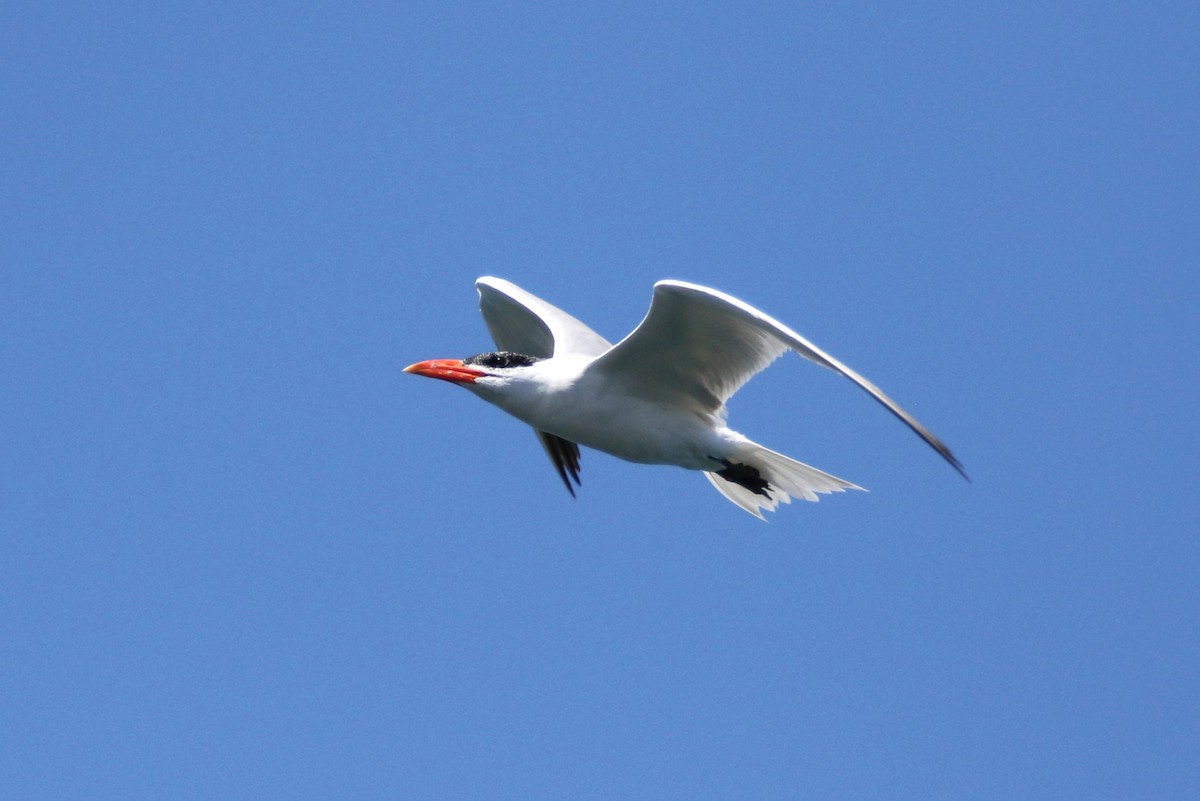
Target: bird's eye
x,y
501,359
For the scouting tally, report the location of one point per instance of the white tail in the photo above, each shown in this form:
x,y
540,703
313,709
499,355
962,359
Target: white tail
x,y
787,479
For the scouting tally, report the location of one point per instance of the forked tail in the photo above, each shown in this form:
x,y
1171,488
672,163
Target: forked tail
x,y
742,482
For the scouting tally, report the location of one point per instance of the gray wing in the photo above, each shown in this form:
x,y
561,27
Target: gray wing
x,y
524,323
697,346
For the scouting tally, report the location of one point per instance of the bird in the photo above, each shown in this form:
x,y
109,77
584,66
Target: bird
x,y
656,397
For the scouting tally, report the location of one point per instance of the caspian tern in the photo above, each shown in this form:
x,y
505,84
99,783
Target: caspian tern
x,y
657,396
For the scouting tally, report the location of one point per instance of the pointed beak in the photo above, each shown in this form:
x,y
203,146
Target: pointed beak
x,y
452,370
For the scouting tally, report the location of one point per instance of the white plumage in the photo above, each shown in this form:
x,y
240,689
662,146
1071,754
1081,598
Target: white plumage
x,y
657,396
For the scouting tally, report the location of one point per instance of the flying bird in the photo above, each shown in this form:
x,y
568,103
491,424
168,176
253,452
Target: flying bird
x,y
656,397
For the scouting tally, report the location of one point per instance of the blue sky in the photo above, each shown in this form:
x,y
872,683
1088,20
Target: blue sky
x,y
244,556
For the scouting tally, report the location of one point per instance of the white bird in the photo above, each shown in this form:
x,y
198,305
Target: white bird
x,y
657,396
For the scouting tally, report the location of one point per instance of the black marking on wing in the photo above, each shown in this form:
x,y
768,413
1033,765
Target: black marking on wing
x,y
502,358
565,455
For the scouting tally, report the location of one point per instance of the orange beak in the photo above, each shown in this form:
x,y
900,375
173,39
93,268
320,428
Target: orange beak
x,y
452,370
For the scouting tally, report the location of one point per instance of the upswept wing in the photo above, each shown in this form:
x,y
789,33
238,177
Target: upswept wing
x,y
524,323
697,346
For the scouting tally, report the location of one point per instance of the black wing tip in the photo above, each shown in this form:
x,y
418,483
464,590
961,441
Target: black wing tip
x,y
961,470
566,479
945,453
565,456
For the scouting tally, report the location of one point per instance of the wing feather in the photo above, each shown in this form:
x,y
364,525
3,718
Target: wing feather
x,y
565,456
697,346
524,323
693,349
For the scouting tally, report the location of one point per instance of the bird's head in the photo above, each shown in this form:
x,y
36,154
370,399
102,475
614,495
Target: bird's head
x,y
482,373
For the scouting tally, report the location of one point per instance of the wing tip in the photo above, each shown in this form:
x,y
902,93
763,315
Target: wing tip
x,y
957,465
943,450
674,283
491,282
564,454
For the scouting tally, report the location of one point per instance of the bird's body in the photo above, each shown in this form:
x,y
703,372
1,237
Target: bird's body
x,y
560,397
658,396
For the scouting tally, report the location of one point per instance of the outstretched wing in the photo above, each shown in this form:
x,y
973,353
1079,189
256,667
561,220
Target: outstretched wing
x,y
697,346
524,323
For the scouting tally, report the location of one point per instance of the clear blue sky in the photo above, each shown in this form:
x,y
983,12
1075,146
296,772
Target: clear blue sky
x,y
245,557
